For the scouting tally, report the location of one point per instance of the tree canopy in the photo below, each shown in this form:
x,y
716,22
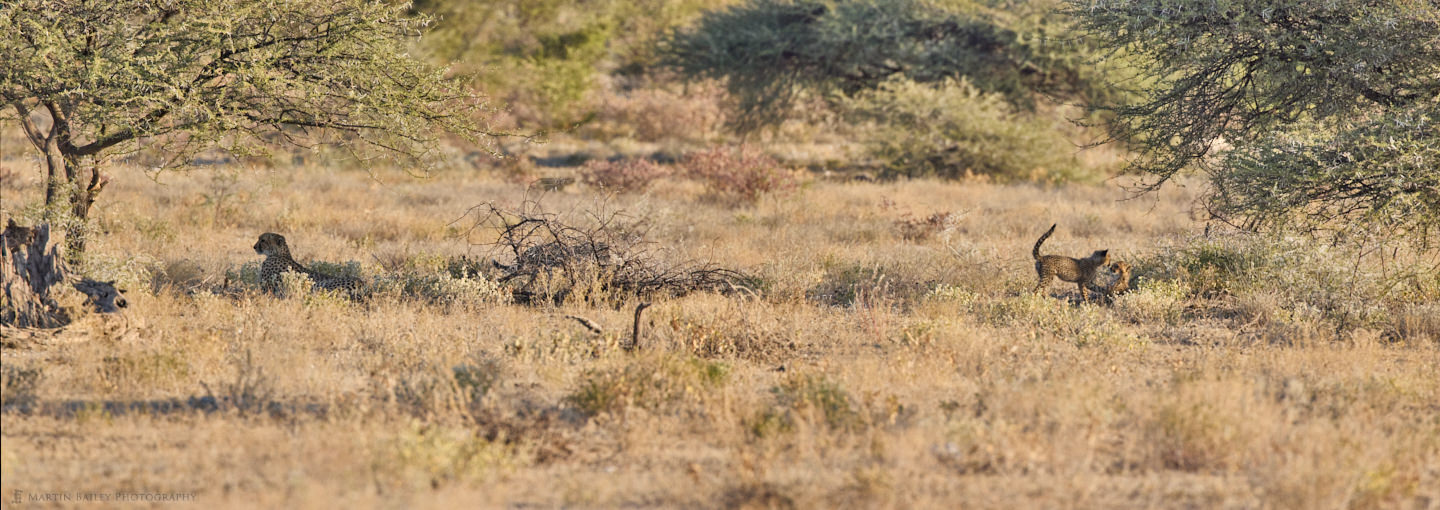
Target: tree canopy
x,y
770,52
545,56
1306,113
91,78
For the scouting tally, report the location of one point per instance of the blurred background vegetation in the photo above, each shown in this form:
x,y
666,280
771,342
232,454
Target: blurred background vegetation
x,y
952,88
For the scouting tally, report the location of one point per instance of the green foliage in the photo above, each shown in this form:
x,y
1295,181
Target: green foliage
x,y
248,274
653,383
227,73
1320,112
811,398
952,129
177,78
1290,278
773,53
1379,168
475,379
544,56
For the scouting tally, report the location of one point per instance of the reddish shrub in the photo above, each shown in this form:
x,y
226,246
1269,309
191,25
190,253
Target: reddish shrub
x,y
625,175
740,172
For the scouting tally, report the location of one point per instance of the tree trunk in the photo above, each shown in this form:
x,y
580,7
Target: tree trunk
x,y
82,197
72,178
72,187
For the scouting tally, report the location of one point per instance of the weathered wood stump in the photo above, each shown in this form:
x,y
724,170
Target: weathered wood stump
x,y
30,268
29,271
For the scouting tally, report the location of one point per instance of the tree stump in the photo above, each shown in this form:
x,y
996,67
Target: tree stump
x,y
30,271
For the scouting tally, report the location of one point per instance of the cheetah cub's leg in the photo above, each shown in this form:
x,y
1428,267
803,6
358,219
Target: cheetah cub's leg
x,y
1046,275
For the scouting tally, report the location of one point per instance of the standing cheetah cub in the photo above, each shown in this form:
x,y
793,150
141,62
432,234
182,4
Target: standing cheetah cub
x,y
1079,271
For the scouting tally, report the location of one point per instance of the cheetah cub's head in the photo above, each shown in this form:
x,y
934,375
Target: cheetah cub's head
x,y
270,244
1101,257
1121,267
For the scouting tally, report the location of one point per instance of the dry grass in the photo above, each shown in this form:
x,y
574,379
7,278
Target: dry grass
x,y
878,368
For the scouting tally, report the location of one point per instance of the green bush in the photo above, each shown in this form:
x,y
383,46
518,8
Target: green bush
x,y
443,288
952,129
1291,279
653,383
544,56
812,398
776,54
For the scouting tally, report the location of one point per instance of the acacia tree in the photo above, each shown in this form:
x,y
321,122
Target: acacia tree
x,y
769,53
1313,114
89,79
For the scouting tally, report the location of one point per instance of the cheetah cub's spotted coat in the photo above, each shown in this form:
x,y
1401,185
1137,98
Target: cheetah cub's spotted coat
x,y
278,261
1122,282
1079,271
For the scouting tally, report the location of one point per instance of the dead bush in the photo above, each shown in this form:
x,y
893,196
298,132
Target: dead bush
x,y
916,228
541,257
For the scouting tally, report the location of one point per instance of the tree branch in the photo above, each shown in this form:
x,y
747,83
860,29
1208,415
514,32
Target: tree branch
x,y
32,132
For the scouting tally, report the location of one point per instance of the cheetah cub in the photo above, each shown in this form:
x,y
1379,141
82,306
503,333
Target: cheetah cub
x,y
1122,282
1079,271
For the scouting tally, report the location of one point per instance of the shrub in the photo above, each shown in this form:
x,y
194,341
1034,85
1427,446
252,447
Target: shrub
x,y
444,288
433,456
1287,279
810,398
951,129
774,55
1340,142
742,173
625,176
476,378
915,228
18,385
656,114
655,383
603,257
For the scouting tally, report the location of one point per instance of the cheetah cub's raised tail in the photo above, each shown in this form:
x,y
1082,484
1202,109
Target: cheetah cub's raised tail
x,y
1079,271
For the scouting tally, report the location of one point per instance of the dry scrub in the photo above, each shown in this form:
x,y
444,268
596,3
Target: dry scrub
x,y
890,356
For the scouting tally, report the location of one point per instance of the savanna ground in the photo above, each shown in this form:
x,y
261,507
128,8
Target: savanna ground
x,y
887,360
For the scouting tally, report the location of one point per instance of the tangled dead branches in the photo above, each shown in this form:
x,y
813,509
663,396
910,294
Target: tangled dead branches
x,y
541,257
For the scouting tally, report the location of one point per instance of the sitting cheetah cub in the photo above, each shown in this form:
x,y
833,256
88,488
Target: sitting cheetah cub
x,y
1079,271
1115,282
1122,282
